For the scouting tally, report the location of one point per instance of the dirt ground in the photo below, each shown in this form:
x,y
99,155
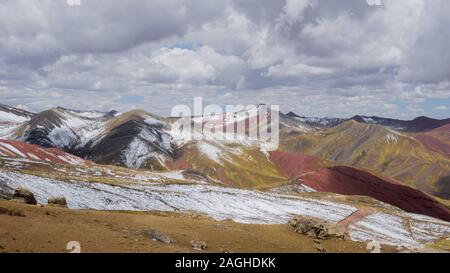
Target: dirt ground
x,y
49,229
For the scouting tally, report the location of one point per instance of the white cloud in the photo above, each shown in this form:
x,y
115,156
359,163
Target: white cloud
x,y
338,57
293,12
295,69
200,66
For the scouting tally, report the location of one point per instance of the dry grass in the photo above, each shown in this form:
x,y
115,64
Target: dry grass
x,y
49,229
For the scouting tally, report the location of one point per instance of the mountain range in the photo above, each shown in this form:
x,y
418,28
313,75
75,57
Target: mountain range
x,y
397,167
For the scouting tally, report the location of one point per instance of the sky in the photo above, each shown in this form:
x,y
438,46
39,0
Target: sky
x,y
314,57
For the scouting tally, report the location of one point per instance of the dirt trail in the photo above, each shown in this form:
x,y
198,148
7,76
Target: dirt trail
x,y
356,216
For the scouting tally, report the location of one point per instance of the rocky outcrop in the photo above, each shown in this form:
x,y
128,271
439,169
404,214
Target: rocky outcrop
x,y
58,202
317,228
198,245
196,175
24,196
159,236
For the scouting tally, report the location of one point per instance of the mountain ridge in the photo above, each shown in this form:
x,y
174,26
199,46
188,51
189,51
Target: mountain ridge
x,y
418,124
140,140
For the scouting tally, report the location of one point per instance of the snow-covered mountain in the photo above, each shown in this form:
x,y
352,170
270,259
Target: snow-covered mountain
x,y
59,128
242,127
135,139
418,124
314,121
15,115
11,117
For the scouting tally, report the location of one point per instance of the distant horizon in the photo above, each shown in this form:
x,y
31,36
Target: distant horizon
x,y
169,116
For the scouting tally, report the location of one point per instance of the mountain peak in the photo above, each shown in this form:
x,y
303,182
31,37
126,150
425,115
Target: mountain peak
x,y
423,118
292,114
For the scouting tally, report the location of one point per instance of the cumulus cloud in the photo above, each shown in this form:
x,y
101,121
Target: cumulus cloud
x,y
316,57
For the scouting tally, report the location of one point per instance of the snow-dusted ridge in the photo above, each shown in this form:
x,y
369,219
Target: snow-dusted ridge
x,y
221,203
10,118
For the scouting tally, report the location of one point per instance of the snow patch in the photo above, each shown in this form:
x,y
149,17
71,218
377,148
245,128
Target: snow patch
x,y
152,121
141,149
390,138
293,189
12,118
210,151
242,206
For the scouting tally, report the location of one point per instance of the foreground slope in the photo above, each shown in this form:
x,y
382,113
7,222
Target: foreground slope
x,y
101,188
49,229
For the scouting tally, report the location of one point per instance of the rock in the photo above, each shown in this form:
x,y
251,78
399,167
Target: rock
x,y
320,248
317,228
374,247
58,202
198,245
226,250
196,175
159,236
24,196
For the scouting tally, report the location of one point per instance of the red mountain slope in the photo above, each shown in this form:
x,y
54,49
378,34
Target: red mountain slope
x,y
350,181
437,140
16,149
294,165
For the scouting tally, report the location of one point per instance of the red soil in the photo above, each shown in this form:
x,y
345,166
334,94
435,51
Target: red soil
x,y
357,216
245,122
180,163
443,129
434,144
422,124
437,140
294,165
16,149
351,181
